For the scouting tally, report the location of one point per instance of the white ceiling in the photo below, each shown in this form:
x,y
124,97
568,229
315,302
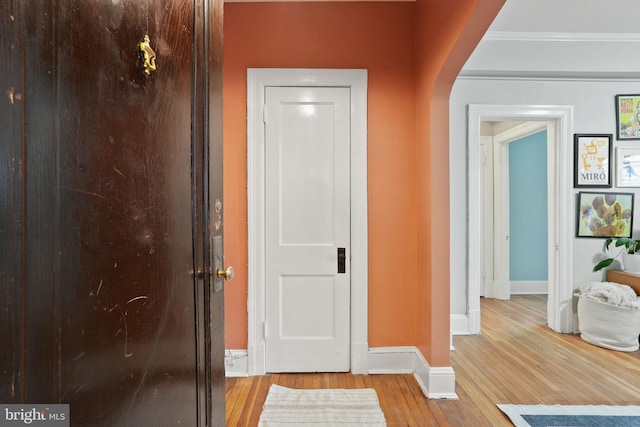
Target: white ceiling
x,y
569,16
560,39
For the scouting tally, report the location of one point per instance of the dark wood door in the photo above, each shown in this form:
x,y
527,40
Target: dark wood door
x,y
105,210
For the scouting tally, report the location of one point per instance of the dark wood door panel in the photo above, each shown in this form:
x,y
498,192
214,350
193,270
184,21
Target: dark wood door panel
x,y
12,204
125,211
103,309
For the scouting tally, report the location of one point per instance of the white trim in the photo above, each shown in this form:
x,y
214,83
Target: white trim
x,y
236,363
554,56
542,77
391,360
499,286
459,324
488,223
474,319
257,80
560,308
562,37
529,287
435,382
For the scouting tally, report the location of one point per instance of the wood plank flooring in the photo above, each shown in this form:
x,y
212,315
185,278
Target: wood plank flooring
x,y
517,359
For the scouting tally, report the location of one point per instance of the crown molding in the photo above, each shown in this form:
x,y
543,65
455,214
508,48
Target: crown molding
x,y
561,37
555,56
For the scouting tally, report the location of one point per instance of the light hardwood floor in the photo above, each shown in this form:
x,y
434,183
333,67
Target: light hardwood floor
x,y
517,359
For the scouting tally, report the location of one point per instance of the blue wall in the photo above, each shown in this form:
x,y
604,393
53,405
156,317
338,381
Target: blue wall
x,y
528,208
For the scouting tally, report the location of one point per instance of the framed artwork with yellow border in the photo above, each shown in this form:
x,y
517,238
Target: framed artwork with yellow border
x,y
627,117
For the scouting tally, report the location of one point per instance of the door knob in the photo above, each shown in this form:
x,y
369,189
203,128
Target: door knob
x,y
227,273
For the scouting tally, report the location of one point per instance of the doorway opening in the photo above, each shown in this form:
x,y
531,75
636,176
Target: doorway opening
x,y
515,193
559,308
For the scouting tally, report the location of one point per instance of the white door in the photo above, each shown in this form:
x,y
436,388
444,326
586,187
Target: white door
x,y
501,266
307,221
495,218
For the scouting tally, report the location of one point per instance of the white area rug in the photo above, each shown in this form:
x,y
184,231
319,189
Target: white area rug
x,y
321,407
572,415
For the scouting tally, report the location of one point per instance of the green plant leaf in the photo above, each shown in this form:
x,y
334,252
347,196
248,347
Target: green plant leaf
x,y
602,264
624,241
607,243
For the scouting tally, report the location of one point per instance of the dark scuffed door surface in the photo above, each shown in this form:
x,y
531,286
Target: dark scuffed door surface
x,y
130,348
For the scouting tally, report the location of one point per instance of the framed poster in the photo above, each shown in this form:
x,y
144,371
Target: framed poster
x,y
627,167
592,161
628,117
605,214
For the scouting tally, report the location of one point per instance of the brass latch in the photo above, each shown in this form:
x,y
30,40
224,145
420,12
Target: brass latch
x,y
147,55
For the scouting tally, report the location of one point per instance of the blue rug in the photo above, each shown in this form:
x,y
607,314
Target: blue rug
x,y
572,415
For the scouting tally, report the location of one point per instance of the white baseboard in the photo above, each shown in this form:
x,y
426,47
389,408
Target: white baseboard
x,y
236,363
459,324
462,324
391,360
529,287
435,382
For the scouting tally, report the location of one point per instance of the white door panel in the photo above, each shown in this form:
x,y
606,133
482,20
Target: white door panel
x,y
307,214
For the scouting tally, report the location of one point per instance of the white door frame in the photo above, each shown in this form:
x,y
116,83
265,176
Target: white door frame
x,y
257,80
488,227
560,297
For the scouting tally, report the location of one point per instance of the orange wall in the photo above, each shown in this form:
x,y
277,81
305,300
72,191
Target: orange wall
x,y
413,52
379,37
446,35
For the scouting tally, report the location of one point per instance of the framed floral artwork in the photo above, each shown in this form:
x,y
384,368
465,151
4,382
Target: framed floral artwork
x,y
605,214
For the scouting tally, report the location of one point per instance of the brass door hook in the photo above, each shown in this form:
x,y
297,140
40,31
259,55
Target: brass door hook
x,y
147,55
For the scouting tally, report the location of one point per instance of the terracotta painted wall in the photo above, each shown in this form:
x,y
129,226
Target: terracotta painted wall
x,y
413,52
446,35
379,37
